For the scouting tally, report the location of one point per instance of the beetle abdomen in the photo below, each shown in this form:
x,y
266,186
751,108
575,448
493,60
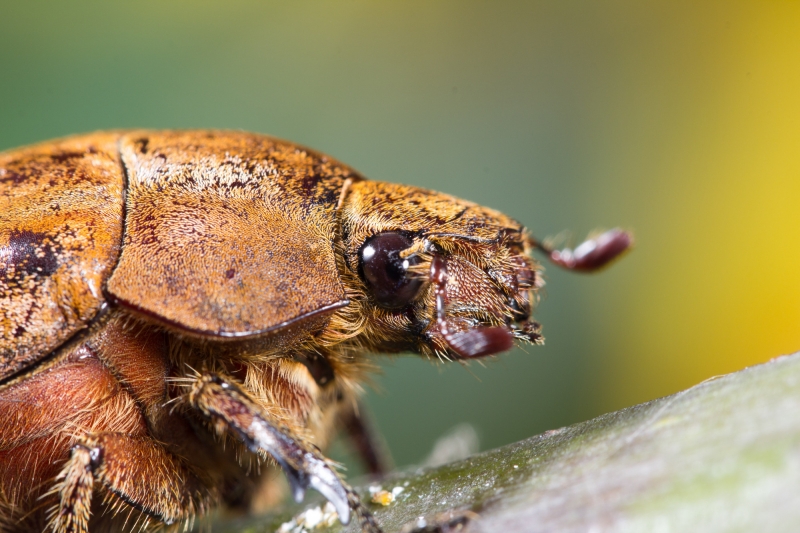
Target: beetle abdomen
x,y
61,213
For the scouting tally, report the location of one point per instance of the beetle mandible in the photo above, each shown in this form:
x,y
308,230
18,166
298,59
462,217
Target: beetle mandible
x,y
178,304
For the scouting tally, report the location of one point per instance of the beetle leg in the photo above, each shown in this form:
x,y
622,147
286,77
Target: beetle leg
x,y
226,404
121,463
366,441
75,493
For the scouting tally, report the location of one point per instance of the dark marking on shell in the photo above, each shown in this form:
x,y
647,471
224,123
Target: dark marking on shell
x,y
32,253
63,157
12,177
141,145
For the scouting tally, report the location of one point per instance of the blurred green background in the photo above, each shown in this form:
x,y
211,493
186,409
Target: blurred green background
x,y
677,119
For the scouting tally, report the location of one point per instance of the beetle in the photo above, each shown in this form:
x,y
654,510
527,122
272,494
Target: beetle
x,y
178,307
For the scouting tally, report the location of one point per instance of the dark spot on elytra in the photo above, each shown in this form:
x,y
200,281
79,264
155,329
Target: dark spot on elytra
x,y
19,331
230,273
32,253
141,145
63,157
13,177
308,185
329,196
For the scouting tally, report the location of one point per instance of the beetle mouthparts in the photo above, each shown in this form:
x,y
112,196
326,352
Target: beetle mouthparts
x,y
472,343
480,341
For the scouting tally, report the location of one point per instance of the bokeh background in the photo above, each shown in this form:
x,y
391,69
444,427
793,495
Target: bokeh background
x,y
679,120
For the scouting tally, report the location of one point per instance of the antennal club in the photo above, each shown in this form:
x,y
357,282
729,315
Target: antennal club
x,y
592,254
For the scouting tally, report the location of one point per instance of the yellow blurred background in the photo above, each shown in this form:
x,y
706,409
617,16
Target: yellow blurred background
x,y
678,120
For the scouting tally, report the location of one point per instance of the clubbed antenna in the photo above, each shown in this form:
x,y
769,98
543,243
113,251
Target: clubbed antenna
x,y
592,254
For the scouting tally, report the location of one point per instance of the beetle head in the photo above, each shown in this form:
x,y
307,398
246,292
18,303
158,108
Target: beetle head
x,y
433,274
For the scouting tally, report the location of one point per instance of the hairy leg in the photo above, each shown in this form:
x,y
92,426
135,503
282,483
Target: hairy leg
x,y
41,416
137,470
230,408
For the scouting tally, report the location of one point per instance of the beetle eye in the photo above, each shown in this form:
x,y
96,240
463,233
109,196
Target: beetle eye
x,y
386,273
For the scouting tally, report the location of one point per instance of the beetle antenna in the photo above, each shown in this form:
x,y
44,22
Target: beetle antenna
x,y
592,254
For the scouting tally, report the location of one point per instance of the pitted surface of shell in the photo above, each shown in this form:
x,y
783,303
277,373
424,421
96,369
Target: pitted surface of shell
x,y
60,233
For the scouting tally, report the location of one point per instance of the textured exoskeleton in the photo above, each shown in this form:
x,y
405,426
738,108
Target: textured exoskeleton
x,y
175,306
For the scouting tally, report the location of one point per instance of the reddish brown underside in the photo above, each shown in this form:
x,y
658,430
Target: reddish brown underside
x,y
112,387
41,414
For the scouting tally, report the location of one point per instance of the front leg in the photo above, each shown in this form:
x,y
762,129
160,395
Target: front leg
x,y
227,405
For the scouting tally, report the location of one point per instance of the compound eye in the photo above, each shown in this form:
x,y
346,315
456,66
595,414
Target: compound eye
x,y
386,273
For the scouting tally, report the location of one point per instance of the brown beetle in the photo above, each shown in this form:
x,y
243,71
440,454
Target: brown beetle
x,y
176,305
